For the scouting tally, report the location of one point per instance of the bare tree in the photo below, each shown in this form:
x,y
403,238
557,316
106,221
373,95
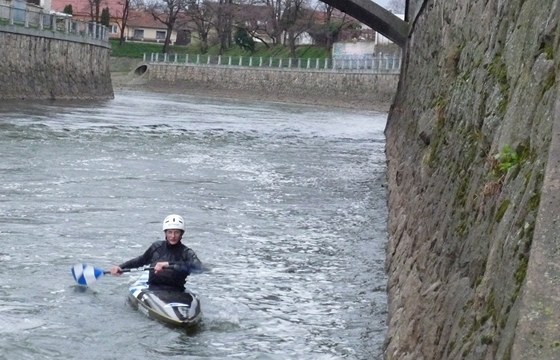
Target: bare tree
x,y
274,20
200,15
286,18
332,24
95,9
224,23
254,18
125,13
167,12
123,19
332,29
295,20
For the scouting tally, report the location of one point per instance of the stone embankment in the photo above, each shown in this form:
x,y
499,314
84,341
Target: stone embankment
x,y
473,155
345,89
40,64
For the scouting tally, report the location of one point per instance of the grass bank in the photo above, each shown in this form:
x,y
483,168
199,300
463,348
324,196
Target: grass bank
x,y
135,50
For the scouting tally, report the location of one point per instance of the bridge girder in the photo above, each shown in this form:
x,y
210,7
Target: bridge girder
x,y
376,17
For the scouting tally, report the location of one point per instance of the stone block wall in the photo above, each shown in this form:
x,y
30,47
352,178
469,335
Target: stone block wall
x,y
356,87
46,65
472,149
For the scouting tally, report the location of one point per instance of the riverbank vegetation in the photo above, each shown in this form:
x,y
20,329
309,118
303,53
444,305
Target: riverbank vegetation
x,y
223,26
136,50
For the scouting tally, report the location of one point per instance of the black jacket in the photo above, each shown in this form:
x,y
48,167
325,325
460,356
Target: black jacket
x,y
182,261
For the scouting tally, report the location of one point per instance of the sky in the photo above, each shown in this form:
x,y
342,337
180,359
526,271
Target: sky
x,y
385,3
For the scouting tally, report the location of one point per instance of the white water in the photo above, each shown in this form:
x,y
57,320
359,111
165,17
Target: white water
x,y
285,204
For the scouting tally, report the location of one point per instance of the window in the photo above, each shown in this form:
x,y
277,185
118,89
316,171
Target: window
x,y
138,34
113,29
160,35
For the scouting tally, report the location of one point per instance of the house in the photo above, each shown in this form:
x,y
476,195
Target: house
x,y
140,26
82,10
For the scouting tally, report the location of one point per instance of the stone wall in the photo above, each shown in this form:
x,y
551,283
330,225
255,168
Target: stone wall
x,y
336,86
52,65
473,150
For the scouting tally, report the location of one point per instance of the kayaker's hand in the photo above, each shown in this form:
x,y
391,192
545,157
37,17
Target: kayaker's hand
x,y
116,270
160,266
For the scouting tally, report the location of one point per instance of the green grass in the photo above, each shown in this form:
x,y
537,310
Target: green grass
x,y
133,50
136,50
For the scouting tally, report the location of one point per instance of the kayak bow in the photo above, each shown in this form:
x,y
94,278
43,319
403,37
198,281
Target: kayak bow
x,y
176,308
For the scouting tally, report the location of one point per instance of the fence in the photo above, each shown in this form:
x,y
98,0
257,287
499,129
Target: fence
x,y
37,19
383,64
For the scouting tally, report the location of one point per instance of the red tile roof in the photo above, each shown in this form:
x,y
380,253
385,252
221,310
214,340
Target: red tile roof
x,y
143,19
82,7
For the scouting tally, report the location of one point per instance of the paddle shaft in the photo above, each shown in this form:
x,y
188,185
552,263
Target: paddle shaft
x,y
105,272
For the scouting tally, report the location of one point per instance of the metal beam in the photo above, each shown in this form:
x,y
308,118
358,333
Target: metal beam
x,y
374,16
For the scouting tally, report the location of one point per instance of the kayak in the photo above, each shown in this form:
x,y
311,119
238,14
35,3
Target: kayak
x,y
176,308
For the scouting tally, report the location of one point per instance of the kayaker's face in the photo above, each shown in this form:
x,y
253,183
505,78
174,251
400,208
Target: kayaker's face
x,y
173,236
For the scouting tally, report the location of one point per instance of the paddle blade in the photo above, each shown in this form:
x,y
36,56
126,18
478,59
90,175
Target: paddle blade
x,y
86,275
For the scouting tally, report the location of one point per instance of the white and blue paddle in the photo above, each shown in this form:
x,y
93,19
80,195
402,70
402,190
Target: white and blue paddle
x,y
86,275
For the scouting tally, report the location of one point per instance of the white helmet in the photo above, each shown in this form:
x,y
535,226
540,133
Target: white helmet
x,y
174,222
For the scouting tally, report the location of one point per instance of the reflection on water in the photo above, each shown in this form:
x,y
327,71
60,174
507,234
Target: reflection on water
x,y
286,205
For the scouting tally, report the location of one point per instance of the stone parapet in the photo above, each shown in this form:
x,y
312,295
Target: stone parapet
x,y
52,65
353,86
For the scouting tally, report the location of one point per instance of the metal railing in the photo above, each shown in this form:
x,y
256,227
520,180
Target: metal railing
x,y
382,64
37,19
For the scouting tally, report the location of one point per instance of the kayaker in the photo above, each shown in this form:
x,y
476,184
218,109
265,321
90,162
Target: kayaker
x,y
171,260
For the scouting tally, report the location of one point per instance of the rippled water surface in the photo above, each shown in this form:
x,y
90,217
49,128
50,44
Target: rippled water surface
x,y
285,204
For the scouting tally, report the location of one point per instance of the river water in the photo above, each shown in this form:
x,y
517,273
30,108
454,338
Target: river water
x,y
286,205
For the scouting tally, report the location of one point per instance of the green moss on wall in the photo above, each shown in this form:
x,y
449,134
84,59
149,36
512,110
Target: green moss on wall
x,y
502,210
547,47
520,275
498,71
